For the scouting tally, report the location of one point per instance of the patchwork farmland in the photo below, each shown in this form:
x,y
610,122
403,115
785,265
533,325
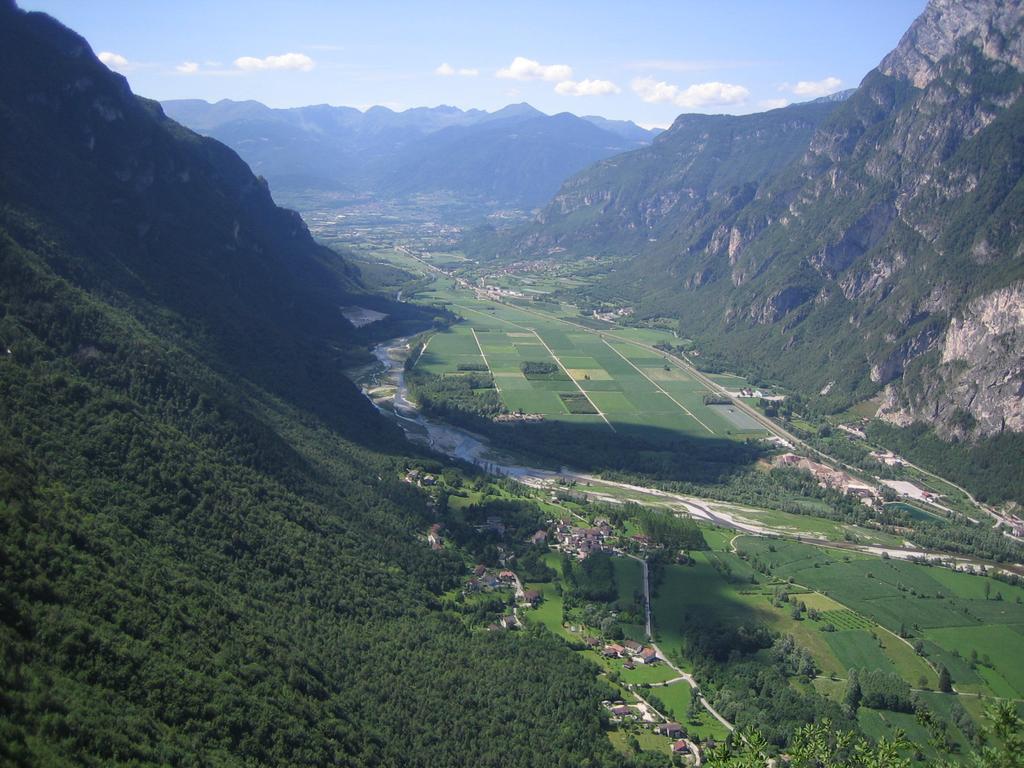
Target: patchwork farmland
x,y
595,377
970,624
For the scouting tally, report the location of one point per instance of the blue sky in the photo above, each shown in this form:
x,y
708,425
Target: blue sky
x,y
646,61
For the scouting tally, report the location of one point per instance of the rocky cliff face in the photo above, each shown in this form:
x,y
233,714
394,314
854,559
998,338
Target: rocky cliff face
x,y
978,384
847,253
993,26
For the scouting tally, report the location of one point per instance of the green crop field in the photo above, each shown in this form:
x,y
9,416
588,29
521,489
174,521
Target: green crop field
x,y
857,648
979,640
846,619
611,370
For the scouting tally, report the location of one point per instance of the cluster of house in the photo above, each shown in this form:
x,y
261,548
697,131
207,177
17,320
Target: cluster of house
x,y
675,731
508,621
529,418
495,292
680,745
831,478
854,431
483,579
749,392
612,315
632,651
422,479
581,542
888,458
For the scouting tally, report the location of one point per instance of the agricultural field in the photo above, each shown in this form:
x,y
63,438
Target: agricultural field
x,y
605,378
860,604
700,590
973,625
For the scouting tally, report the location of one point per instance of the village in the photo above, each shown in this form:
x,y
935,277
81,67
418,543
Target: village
x,y
507,604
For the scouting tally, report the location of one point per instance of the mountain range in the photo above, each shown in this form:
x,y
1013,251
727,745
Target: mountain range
x,y
514,157
862,245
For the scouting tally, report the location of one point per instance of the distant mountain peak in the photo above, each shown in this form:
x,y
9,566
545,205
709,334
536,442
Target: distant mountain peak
x,y
520,109
834,97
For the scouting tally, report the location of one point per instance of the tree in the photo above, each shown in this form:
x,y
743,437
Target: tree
x,y
695,708
945,683
818,745
853,693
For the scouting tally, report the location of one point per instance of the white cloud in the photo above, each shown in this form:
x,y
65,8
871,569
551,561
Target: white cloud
x,y
447,70
587,88
188,67
692,97
814,87
113,60
299,61
773,103
653,92
527,69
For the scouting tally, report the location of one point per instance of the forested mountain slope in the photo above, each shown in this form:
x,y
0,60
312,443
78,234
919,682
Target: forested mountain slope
x,y
886,253
516,156
206,554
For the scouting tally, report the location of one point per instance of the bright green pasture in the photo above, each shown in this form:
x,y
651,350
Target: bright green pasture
x,y
628,579
676,698
1002,646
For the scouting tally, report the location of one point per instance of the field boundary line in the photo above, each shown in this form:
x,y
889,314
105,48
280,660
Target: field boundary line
x,y
581,389
492,317
658,387
486,362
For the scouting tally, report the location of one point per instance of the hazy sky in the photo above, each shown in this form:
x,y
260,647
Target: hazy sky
x,y
643,61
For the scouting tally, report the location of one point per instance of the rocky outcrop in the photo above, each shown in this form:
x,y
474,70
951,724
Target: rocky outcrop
x,y
993,25
977,385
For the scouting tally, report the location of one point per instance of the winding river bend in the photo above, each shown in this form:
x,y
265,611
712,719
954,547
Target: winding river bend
x,y
385,386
